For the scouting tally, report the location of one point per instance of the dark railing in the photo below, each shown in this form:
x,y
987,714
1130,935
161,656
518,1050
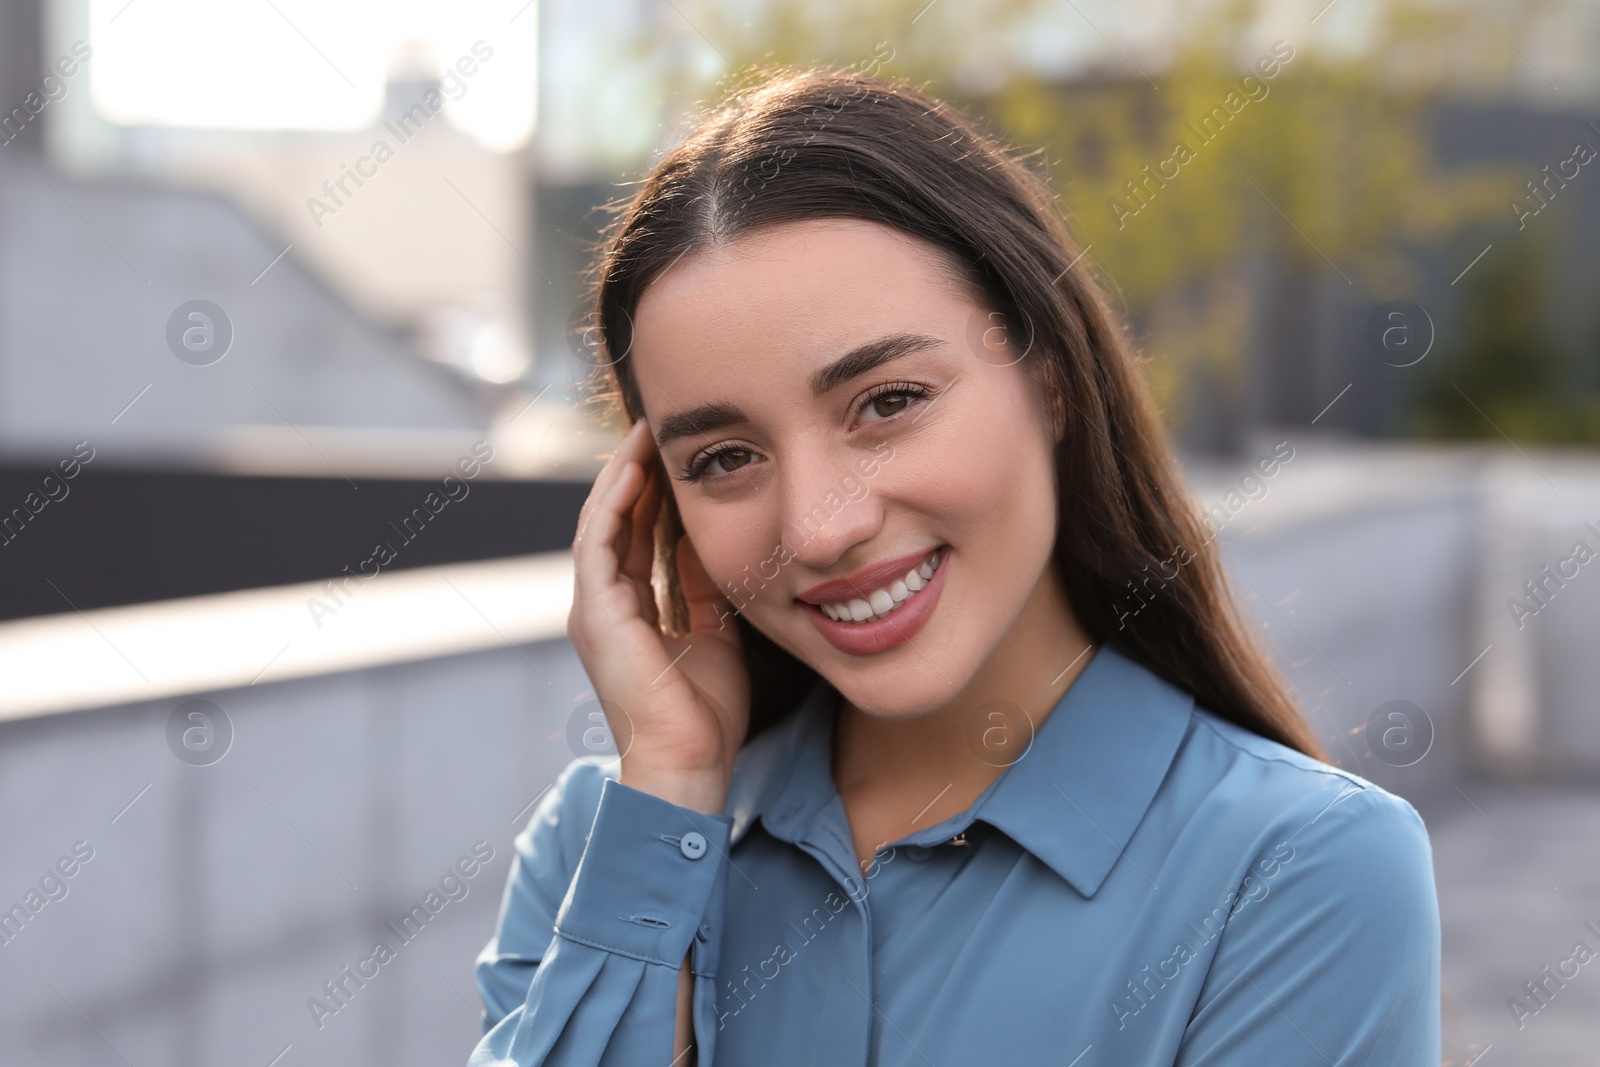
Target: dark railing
x,y
119,536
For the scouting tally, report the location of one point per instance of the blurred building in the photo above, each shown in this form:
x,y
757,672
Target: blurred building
x,y
236,314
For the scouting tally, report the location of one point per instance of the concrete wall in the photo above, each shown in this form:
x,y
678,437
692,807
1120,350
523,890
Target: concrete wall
x,y
226,895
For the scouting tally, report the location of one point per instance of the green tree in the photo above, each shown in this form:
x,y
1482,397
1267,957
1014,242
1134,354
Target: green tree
x,y
1506,369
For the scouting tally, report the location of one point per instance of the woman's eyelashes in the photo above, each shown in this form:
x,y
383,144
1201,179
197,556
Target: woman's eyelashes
x,y
904,392
883,404
696,470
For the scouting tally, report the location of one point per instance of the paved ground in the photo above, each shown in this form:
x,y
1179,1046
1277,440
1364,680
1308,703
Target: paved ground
x,y
1519,877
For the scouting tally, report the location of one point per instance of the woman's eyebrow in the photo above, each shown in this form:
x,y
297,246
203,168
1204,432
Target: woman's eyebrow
x,y
865,357
859,360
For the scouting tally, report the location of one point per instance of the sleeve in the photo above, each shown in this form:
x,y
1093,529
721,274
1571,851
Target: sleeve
x,y
583,968
1337,960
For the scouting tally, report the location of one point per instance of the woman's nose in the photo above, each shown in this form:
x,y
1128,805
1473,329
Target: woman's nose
x,y
827,507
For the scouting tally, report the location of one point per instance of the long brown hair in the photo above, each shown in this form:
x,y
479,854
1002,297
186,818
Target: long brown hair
x,y
790,145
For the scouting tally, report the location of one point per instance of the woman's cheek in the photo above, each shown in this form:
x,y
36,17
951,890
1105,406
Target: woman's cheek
x,y
722,544
947,472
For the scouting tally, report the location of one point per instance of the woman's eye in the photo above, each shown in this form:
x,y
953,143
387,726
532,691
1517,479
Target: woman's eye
x,y
888,405
892,402
727,461
732,459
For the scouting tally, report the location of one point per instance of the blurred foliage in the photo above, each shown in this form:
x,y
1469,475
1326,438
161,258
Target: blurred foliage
x,y
1323,170
1326,173
1511,373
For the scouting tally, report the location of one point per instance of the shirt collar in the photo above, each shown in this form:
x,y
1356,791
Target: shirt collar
x,y
1073,800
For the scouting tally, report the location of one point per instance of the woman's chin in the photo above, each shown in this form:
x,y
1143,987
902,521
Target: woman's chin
x,y
891,698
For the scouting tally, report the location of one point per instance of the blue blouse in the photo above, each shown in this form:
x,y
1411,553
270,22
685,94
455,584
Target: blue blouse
x,y
1149,884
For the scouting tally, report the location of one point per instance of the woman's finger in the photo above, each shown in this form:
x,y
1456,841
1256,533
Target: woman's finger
x,y
638,557
709,610
608,475
594,554
639,553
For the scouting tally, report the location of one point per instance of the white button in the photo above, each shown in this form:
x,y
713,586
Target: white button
x,y
693,844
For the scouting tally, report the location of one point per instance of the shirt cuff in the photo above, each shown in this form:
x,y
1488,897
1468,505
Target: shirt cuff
x,y
645,877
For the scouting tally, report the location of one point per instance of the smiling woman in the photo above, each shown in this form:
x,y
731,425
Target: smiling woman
x,y
937,672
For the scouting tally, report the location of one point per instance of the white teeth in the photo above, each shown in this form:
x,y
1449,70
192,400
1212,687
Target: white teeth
x,y
881,602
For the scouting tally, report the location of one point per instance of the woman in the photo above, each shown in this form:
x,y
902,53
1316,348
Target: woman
x,y
941,741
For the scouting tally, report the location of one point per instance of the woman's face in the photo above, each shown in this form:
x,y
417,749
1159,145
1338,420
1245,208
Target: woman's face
x,y
839,414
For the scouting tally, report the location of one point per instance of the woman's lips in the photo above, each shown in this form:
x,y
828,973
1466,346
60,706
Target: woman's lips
x,y
840,590
887,631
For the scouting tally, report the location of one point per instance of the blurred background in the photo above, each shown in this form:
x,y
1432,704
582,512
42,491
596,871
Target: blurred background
x,y
289,302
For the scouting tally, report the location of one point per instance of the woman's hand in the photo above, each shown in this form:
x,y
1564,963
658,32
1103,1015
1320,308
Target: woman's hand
x,y
677,707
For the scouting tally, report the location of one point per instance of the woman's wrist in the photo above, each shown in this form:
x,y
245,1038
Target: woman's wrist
x,y
702,791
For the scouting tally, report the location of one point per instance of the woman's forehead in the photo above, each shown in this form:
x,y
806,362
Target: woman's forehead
x,y
793,262
793,294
